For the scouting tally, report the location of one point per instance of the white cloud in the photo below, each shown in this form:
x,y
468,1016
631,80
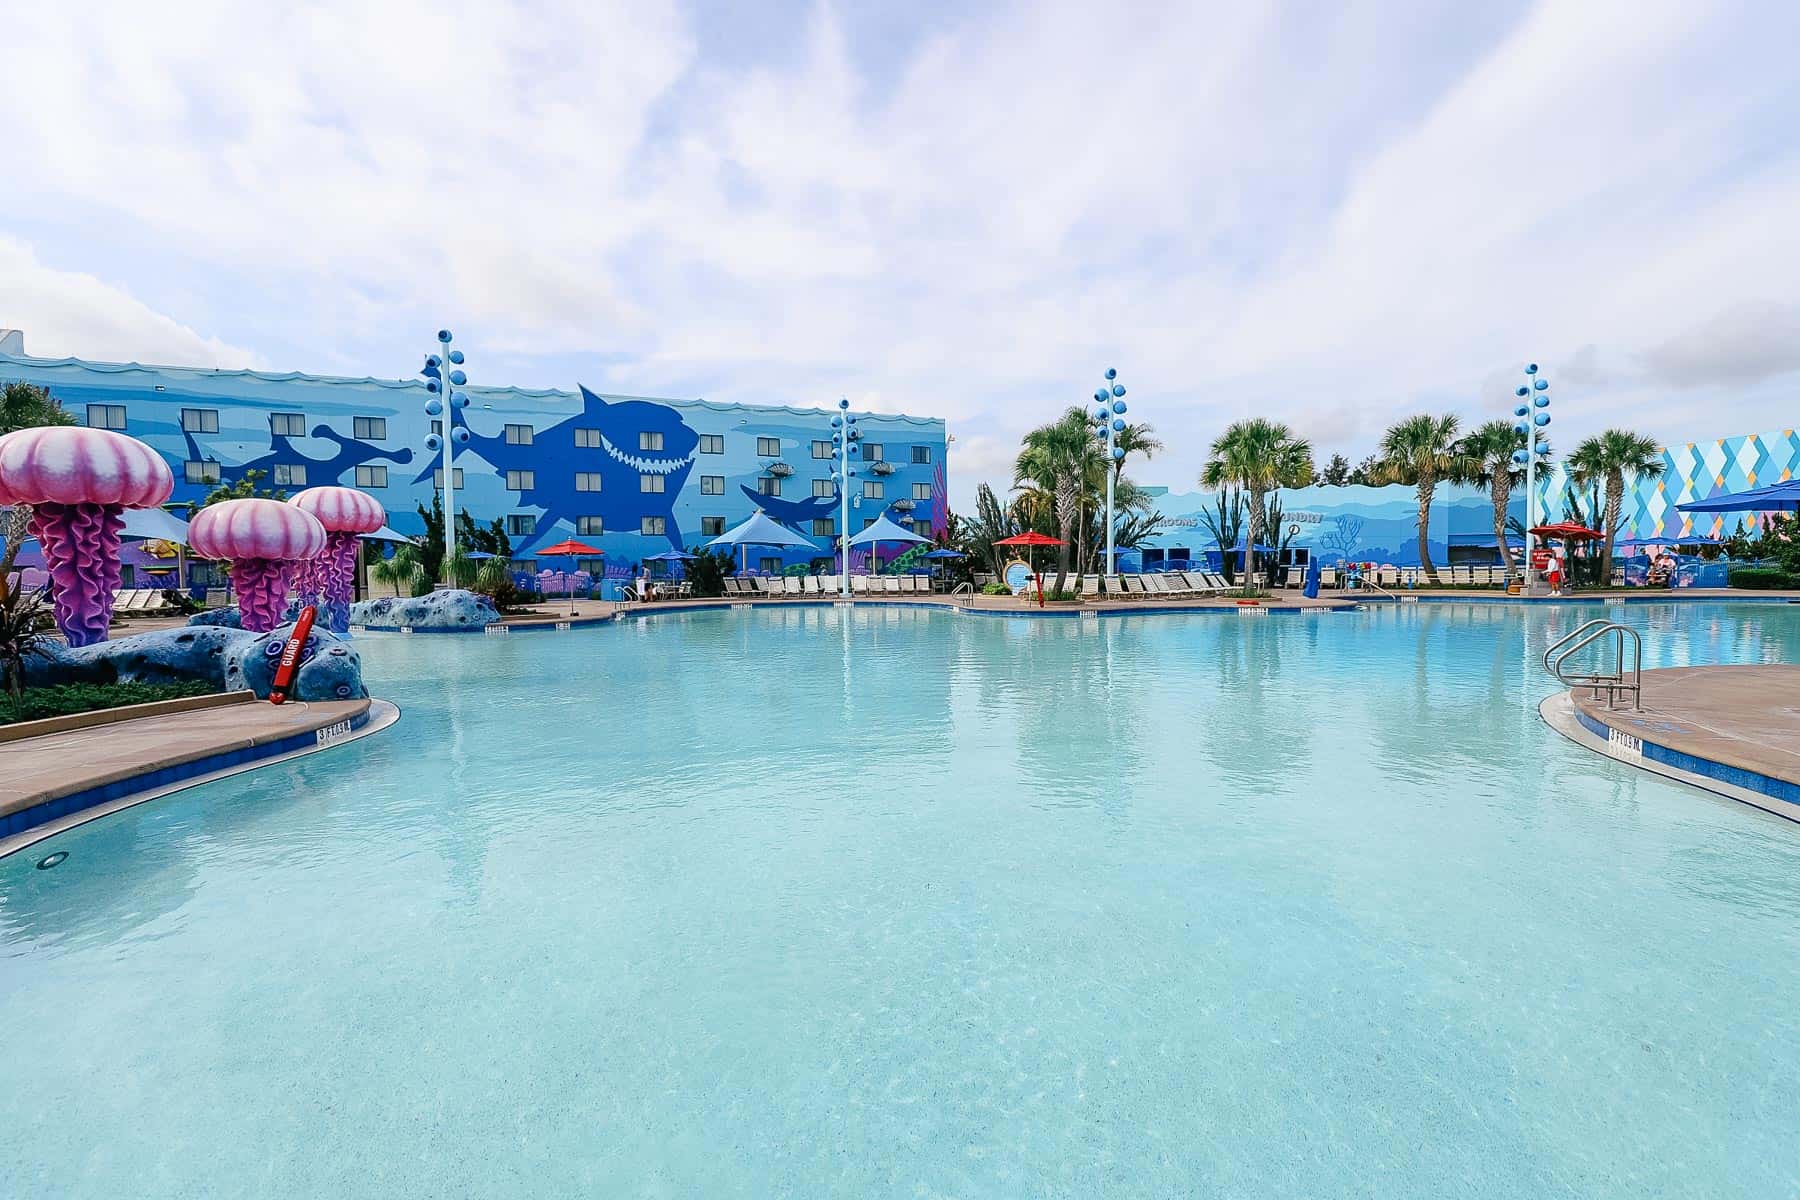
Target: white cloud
x,y
1332,224
67,314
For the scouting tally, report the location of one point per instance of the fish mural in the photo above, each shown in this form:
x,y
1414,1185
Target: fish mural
x,y
796,514
351,454
620,503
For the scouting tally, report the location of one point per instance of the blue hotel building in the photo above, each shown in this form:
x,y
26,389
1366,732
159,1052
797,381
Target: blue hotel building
x,y
632,475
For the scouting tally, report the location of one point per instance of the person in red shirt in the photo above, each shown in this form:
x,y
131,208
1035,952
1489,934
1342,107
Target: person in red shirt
x,y
1556,572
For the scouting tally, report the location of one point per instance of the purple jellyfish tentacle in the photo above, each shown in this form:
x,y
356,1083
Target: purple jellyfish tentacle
x,y
262,586
337,566
81,551
308,581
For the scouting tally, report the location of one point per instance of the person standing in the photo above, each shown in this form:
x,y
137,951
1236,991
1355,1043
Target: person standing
x,y
1556,570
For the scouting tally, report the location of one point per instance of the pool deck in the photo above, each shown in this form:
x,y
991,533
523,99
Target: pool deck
x,y
55,780
1733,730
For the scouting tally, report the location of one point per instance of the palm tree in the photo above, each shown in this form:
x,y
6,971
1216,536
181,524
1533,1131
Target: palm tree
x,y
1057,463
1422,451
1611,456
1258,456
1488,452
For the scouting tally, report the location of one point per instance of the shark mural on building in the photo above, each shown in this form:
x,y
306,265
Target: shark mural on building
x,y
621,503
796,514
282,452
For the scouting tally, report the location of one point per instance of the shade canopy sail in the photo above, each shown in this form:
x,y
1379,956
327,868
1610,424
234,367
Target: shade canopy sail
x,y
884,530
759,529
1776,496
1033,538
672,556
1260,548
384,534
155,523
568,549
478,555
1567,530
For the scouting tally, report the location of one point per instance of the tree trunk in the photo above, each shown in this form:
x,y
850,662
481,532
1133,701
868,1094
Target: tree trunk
x,y
1068,510
1427,487
1252,532
1502,493
1615,496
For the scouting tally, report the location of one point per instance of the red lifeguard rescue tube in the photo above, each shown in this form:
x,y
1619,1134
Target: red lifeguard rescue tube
x,y
290,656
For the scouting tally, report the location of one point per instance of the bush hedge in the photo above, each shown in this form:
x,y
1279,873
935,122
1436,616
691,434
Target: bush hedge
x,y
65,699
1762,578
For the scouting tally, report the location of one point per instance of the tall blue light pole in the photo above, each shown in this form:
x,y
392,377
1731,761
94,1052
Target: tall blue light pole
x,y
1109,401
1532,417
443,377
844,437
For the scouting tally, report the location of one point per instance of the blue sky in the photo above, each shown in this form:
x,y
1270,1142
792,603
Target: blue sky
x,y
1335,215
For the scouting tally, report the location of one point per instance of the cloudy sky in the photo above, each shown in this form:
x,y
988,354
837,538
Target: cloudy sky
x,y
1334,214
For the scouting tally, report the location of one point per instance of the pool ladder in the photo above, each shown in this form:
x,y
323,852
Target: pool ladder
x,y
1613,684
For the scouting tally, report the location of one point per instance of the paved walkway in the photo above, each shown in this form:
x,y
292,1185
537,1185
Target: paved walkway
x,y
1746,717
54,765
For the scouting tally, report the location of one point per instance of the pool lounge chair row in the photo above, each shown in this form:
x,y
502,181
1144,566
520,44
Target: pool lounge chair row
x,y
1405,577
787,586
141,601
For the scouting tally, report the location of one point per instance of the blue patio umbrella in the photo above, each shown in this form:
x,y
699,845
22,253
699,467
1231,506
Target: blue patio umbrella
x,y
1774,497
759,529
883,530
672,556
944,554
478,555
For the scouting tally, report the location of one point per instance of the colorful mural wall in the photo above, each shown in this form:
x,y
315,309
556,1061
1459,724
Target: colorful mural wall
x,y
632,475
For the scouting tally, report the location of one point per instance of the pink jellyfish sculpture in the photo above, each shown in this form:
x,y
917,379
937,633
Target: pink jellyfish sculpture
x,y
79,482
346,514
263,540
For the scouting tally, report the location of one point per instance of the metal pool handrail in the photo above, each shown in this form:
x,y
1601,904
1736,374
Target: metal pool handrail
x,y
1613,682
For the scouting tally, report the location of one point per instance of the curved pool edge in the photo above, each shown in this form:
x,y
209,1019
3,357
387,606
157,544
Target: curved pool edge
x,y
153,784
1559,712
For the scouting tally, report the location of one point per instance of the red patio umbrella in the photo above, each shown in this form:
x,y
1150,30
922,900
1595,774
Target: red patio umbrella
x,y
569,548
1569,531
1032,540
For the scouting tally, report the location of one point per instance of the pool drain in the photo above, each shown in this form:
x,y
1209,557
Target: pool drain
x,y
52,860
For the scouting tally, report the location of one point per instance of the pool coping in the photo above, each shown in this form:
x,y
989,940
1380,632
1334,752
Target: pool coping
x,y
1778,797
63,813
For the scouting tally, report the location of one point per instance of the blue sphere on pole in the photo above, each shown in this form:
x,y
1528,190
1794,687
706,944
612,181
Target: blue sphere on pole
x,y
1112,373
444,336
1541,420
456,356
434,406
431,385
433,442
1540,401
458,400
1118,406
837,422
461,434
1522,391
1118,454
1521,411
1118,425
843,402
1531,368
1542,385
433,361
459,378
1519,456
1521,427
1543,448
1118,389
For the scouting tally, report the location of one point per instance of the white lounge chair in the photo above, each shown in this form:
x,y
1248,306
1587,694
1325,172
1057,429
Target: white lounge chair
x,y
810,585
1090,587
790,585
1133,585
859,585
890,585
1114,586
1328,577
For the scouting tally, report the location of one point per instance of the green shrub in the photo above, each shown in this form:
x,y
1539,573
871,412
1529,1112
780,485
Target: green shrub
x,y
64,699
1762,578
995,589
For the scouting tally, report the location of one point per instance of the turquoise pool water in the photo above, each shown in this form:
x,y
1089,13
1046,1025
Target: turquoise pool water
x,y
899,903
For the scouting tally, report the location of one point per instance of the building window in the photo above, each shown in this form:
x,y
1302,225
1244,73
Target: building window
x,y
824,527
106,416
371,477
872,489
290,475
520,524
921,491
651,483
824,487
518,435
922,528
712,443
437,427
650,441
587,481
199,420
287,424
437,479
200,472
871,451
712,526
823,450
868,521
770,566
521,481
712,485
768,447
769,485
587,439
590,526
921,454
369,429
653,526
595,567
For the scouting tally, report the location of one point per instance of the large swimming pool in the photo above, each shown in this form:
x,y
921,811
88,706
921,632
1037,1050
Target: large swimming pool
x,y
904,903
